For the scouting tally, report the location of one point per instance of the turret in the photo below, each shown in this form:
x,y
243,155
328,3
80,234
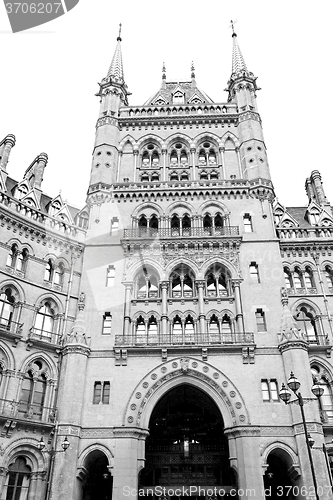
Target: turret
x,y
5,147
113,94
34,174
315,190
241,90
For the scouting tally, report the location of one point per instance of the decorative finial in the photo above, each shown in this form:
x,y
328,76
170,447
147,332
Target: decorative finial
x,y
163,72
232,26
119,35
192,70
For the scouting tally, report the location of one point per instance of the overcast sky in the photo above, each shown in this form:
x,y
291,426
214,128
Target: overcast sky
x,y
49,77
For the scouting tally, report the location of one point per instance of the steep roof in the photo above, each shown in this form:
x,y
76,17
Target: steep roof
x,y
188,89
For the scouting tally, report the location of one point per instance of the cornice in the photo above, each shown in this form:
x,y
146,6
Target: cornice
x,y
38,232
178,119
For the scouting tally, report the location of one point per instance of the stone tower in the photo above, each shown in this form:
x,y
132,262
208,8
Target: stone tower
x,y
158,326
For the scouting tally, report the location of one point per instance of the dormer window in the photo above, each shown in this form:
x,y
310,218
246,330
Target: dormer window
x,y
178,98
314,217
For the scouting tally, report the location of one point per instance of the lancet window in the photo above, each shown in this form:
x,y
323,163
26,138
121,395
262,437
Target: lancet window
x,y
217,281
182,282
179,156
150,156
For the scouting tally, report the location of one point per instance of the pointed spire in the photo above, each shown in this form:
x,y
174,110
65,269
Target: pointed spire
x,y
116,68
192,71
238,63
163,72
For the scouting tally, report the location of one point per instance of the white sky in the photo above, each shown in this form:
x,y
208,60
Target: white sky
x,y
49,77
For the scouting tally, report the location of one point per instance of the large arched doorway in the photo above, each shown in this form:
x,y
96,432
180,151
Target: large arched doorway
x,y
186,445
98,481
277,481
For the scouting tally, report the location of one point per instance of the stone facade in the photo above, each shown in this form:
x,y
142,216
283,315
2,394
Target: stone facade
x,y
181,292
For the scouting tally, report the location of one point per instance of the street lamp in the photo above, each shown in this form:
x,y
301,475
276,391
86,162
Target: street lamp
x,y
285,395
52,452
41,446
324,450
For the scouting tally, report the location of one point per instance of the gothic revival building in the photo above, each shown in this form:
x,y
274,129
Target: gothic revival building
x,y
152,329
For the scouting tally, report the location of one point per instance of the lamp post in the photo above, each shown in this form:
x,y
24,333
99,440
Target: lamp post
x,y
52,452
285,395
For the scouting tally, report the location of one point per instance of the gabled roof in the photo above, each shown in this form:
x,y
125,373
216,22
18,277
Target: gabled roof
x,y
189,89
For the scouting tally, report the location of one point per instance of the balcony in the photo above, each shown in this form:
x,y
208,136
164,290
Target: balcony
x,y
44,336
302,291
187,339
9,326
192,232
20,410
321,340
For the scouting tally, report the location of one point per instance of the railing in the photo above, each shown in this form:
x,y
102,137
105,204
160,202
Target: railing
x,y
193,447
317,339
27,411
183,339
147,232
301,233
44,336
10,326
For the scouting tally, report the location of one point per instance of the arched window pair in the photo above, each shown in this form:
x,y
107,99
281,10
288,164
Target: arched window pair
x,y
147,286
33,390
308,322
182,283
148,225
207,155
182,176
180,226
17,481
299,280
213,224
217,281
54,272
179,156
150,177
45,322
146,330
183,330
205,176
150,156
16,259
220,329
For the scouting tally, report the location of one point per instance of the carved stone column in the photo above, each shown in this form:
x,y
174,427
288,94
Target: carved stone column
x,y
202,323
238,305
164,316
127,307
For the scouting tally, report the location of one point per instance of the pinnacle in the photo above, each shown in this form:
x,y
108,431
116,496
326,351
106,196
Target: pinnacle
x,y
238,62
116,68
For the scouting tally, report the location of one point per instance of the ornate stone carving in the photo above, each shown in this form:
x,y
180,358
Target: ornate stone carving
x,y
288,329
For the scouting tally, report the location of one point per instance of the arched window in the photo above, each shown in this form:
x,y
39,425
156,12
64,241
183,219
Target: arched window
x,y
288,278
175,225
184,176
182,282
147,284
305,318
33,391
226,325
214,329
189,329
308,278
22,258
212,157
329,276
173,176
298,279
155,177
326,400
153,222
152,326
314,217
177,330
186,225
207,224
6,308
140,326
144,177
54,208
58,274
214,175
44,322
21,191
216,282
203,175
18,480
202,158
12,256
48,273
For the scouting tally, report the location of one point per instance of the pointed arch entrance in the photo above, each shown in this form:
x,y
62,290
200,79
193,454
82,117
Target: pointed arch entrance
x,y
186,445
